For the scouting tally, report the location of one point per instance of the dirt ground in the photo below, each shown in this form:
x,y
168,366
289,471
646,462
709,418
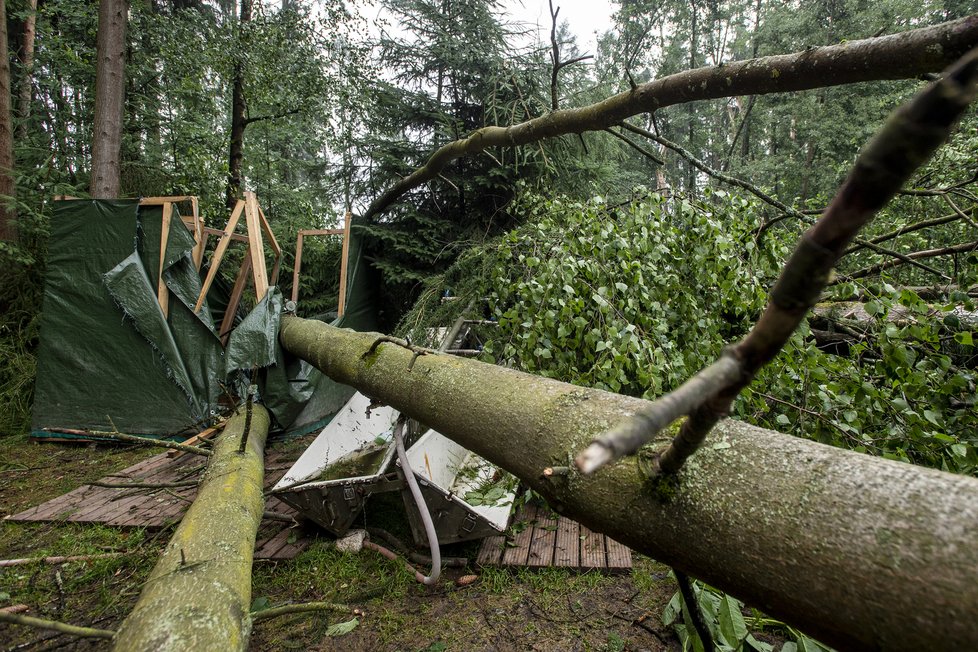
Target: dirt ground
x,y
500,610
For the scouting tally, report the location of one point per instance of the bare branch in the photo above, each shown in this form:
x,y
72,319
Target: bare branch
x,y
897,56
133,439
872,270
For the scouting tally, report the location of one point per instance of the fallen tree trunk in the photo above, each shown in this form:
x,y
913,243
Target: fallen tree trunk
x,y
199,594
861,552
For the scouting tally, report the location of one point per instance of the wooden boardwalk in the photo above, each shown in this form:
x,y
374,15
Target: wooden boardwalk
x,y
551,540
157,508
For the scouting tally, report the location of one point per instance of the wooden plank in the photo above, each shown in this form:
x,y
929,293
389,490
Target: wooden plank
x,y
222,247
116,503
274,544
273,243
291,550
567,551
259,270
344,261
544,539
297,266
158,201
491,552
162,292
203,435
619,556
517,554
593,554
240,283
321,231
237,237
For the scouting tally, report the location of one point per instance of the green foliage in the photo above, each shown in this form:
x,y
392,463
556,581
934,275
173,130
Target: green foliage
x,y
596,294
731,630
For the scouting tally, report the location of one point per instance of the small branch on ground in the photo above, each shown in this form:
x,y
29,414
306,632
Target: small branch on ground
x,y
64,628
59,560
308,607
133,439
693,608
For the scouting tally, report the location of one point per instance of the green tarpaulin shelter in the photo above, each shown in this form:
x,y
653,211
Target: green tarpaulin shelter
x,y
109,360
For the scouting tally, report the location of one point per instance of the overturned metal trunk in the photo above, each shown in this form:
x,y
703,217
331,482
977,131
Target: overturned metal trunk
x,y
861,552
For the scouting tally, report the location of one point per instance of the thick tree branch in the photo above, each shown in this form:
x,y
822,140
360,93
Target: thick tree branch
x,y
898,56
906,141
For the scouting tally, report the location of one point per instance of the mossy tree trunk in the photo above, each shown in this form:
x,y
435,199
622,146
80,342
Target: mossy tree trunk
x,y
199,594
859,551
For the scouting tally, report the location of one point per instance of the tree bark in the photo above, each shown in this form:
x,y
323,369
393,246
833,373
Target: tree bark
x,y
8,215
898,56
110,88
238,119
859,551
199,594
26,91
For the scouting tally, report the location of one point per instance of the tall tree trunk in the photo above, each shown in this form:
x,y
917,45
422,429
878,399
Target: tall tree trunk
x,y
199,594
8,216
109,91
859,551
26,94
238,120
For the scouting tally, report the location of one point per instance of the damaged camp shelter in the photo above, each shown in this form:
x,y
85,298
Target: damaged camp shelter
x,y
122,347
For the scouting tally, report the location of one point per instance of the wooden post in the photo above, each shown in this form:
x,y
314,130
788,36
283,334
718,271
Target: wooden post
x,y
235,299
297,266
273,243
343,264
255,245
162,293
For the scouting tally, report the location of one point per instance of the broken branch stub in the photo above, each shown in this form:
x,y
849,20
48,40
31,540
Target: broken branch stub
x,y
906,141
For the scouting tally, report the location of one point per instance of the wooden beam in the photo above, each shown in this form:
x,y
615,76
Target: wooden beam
x,y
222,247
344,261
321,231
235,299
159,201
162,292
259,271
297,266
273,279
237,237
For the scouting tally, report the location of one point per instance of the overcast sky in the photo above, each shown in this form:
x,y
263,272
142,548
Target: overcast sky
x,y
586,18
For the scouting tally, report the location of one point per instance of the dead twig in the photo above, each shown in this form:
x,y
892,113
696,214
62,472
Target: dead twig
x,y
133,439
64,628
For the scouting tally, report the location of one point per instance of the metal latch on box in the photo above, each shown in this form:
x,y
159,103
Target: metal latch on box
x,y
468,524
350,495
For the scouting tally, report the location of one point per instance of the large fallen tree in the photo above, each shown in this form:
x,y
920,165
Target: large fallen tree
x,y
862,552
199,593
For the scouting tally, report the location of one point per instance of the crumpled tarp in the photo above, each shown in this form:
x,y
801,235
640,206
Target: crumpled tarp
x,y
109,360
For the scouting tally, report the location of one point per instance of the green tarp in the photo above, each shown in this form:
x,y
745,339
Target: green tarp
x,y
108,358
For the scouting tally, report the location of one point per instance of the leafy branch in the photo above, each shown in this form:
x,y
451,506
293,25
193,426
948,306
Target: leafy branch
x,y
906,141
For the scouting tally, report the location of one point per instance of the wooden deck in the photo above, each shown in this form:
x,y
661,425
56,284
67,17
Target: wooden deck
x,y
551,540
157,508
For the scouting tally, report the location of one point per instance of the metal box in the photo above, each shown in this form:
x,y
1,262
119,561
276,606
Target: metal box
x,y
345,464
451,479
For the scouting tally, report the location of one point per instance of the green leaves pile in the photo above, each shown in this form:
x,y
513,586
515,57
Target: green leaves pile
x,y
637,297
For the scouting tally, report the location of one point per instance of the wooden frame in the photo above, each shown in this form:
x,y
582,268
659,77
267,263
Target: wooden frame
x,y
345,232
253,267
192,222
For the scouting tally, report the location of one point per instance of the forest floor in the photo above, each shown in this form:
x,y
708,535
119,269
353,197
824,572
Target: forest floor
x,y
550,609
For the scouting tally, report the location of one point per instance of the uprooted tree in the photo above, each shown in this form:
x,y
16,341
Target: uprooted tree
x,y
754,512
